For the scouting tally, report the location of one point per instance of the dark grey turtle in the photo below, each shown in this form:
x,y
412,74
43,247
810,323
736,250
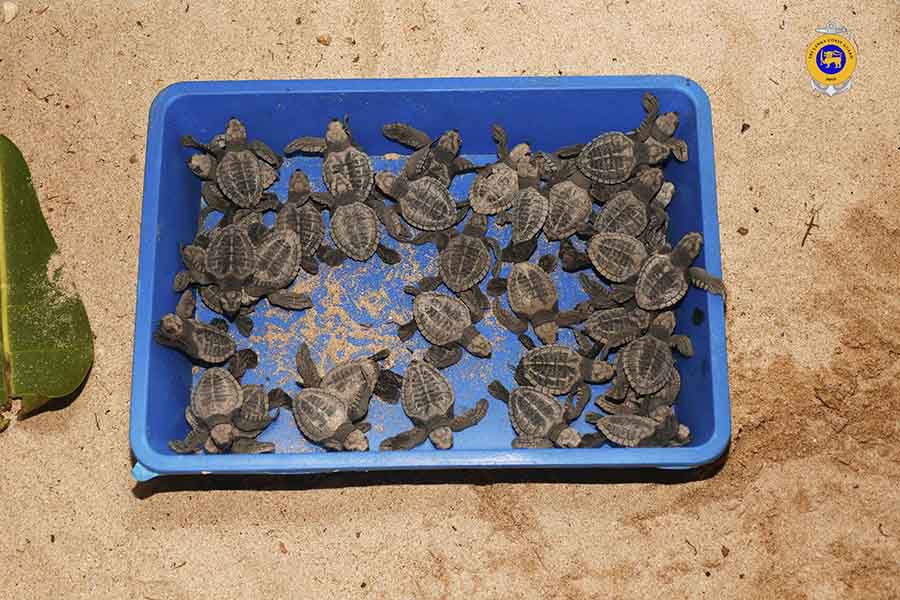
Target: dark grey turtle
x,y
428,400
494,186
616,256
207,344
533,298
527,214
446,323
633,431
354,381
624,213
303,218
212,298
568,206
323,418
540,420
644,184
616,326
438,158
558,369
425,202
656,236
229,261
278,262
613,157
663,280
344,165
241,169
225,416
464,258
667,395
354,226
647,361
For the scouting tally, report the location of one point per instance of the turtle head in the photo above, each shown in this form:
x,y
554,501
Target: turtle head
x,y
687,250
202,165
546,332
235,132
171,326
218,143
230,301
442,438
356,441
222,435
519,152
476,343
528,171
599,371
664,195
449,142
476,226
298,187
663,325
667,123
568,438
337,135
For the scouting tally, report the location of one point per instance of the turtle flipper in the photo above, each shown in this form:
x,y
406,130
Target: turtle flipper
x,y
429,284
702,279
578,399
442,358
507,319
525,441
307,145
679,149
683,344
471,417
189,141
651,107
462,165
515,253
241,362
265,153
592,440
191,443
387,386
407,135
570,151
390,218
406,330
309,264
250,446
290,300
244,325
220,324
278,398
405,440
186,305
567,318
476,302
571,258
496,286
330,256
387,255
499,136
306,367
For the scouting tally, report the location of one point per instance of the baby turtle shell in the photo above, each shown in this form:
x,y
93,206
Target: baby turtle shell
x,y
568,206
624,213
278,260
530,289
355,381
609,158
306,221
664,278
629,431
426,394
559,369
322,417
493,188
231,256
216,393
617,325
354,229
240,177
441,318
532,412
616,256
648,364
464,262
428,206
528,214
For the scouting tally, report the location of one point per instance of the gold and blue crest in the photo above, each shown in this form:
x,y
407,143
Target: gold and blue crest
x,y
831,60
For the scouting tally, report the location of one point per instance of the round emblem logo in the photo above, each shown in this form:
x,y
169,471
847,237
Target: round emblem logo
x,y
831,60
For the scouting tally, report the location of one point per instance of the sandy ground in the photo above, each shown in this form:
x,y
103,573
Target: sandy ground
x,y
806,506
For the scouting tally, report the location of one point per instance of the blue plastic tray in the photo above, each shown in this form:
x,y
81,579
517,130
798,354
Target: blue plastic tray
x,y
352,313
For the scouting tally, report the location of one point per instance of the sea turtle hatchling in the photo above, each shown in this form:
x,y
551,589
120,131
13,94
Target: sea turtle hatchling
x,y
616,326
428,400
533,298
323,418
558,369
647,362
616,256
612,157
354,225
540,420
633,431
241,169
305,219
568,207
494,186
224,416
446,323
663,279
438,158
355,381
527,214
208,344
425,202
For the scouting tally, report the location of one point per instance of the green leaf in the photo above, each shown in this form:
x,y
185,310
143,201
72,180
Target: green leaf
x,y
47,345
